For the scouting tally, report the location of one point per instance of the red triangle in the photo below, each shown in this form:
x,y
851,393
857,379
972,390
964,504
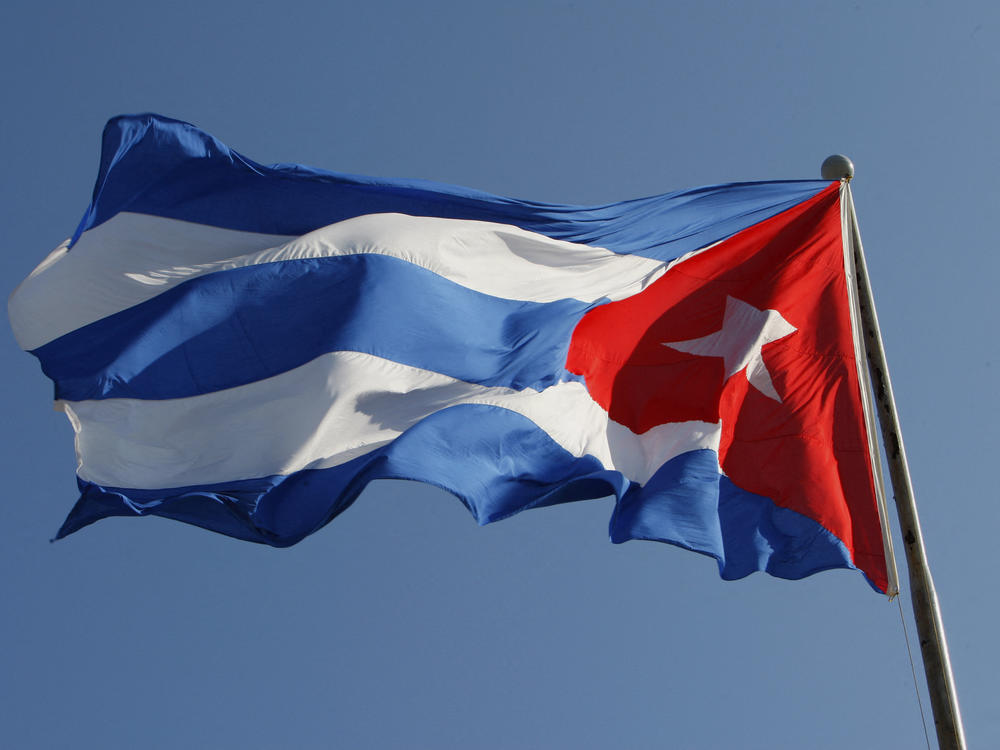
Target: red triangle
x,y
808,452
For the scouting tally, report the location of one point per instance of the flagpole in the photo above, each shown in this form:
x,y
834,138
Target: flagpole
x,y
926,611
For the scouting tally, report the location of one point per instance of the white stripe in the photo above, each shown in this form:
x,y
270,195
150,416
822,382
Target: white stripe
x,y
326,412
133,257
109,269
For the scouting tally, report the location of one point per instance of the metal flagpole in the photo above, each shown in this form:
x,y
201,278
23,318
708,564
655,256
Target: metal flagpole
x,y
926,611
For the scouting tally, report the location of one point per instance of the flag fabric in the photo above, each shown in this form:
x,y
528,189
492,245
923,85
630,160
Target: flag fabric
x,y
244,347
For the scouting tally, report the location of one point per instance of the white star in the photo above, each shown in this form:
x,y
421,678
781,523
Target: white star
x,y
745,329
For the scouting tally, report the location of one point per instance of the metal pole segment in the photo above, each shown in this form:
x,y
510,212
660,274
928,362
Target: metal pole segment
x,y
926,612
867,398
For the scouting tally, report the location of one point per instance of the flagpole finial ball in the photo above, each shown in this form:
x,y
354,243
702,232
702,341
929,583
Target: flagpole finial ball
x,y
837,167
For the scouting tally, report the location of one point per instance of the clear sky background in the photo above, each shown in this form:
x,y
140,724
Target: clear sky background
x,y
402,623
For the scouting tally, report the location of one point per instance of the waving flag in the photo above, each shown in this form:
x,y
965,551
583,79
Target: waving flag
x,y
244,347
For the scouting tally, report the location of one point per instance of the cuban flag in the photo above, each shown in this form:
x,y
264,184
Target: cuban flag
x,y
245,347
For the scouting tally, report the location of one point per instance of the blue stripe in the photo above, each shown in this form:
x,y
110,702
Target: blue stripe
x,y
164,167
499,463
496,461
238,326
690,504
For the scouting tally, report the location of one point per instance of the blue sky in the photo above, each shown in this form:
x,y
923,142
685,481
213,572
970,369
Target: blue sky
x,y
403,624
